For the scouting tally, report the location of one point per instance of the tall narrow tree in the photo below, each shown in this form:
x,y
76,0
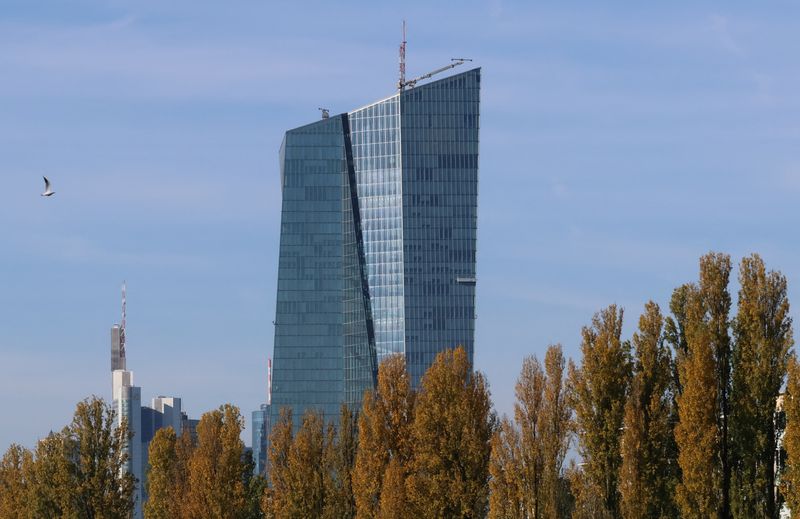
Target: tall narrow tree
x,y
647,475
14,483
790,479
305,467
715,270
452,432
216,469
555,434
505,485
696,433
276,503
763,332
339,460
168,457
599,389
384,433
95,450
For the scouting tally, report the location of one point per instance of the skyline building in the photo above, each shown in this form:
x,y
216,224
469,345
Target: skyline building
x,y
143,422
378,243
260,428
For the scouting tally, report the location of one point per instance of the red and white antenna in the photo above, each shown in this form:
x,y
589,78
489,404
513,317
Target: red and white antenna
x,y
122,326
402,83
269,381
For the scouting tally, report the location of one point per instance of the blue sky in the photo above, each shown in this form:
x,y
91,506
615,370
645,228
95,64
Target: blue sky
x,y
619,143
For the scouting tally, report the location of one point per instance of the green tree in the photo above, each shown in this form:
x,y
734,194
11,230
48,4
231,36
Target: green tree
x,y
217,470
647,475
763,333
452,433
790,479
384,433
598,393
339,460
15,483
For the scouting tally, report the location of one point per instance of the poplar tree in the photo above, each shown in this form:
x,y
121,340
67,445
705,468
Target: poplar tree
x,y
305,467
647,474
94,448
384,434
527,458
598,393
216,469
790,479
529,416
167,479
50,477
15,483
452,432
556,434
708,358
276,503
696,432
339,460
715,270
763,332
505,486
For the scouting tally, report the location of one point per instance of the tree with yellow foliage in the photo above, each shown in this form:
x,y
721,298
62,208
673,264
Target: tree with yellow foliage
x,y
451,435
384,434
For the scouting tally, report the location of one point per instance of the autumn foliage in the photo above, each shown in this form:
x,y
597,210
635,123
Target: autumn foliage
x,y
676,420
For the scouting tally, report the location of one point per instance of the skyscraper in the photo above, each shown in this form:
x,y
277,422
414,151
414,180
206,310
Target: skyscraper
x,y
377,251
143,421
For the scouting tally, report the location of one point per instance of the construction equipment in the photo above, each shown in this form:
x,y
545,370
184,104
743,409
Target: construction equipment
x,y
402,84
411,83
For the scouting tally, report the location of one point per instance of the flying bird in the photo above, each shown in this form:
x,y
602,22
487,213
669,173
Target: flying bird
x,y
47,190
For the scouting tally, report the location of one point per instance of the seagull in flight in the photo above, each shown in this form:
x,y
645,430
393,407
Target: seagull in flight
x,y
47,190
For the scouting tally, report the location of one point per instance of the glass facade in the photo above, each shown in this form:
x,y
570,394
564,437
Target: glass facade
x,y
260,426
440,216
377,252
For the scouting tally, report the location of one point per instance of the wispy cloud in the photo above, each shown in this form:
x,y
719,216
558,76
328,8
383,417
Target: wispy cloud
x,y
78,249
720,27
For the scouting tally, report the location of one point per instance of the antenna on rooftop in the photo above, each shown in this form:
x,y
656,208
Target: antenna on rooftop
x,y
269,381
122,326
401,84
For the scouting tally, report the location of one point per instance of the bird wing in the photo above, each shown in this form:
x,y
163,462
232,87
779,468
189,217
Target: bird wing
x,y
46,184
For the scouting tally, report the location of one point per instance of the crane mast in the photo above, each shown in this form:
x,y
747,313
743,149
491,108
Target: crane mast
x,y
411,83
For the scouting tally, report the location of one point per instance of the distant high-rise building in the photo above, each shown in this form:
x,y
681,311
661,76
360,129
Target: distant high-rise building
x,y
143,421
117,354
127,403
260,426
377,247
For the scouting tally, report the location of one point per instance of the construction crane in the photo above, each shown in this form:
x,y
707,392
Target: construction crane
x,y
402,84
411,83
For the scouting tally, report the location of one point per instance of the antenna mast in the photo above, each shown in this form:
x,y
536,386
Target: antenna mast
x,y
122,327
269,381
402,83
